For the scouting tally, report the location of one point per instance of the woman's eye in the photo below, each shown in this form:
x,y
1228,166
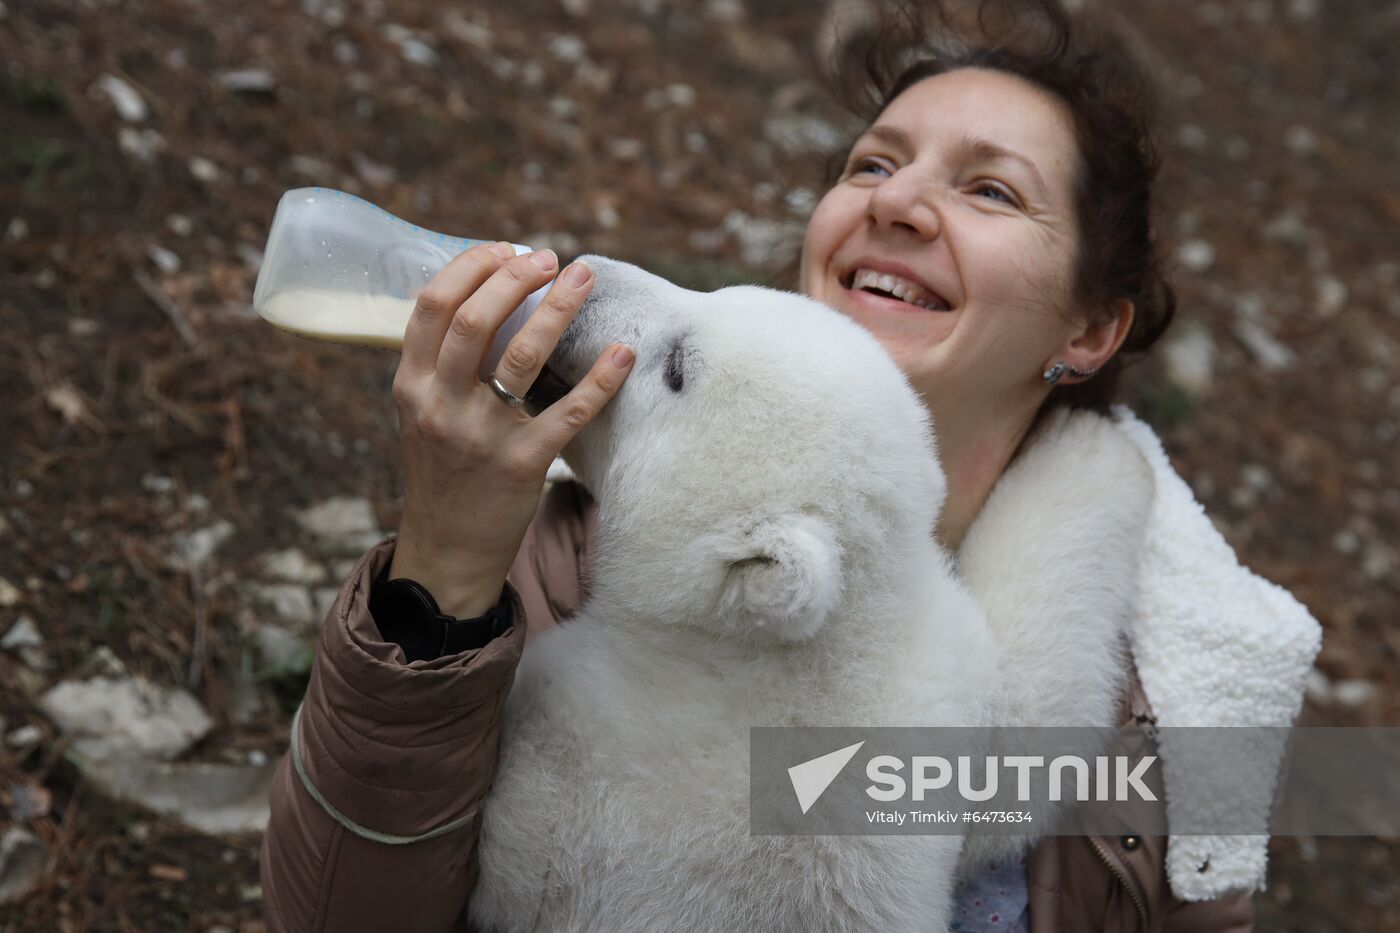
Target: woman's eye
x,y
996,190
860,166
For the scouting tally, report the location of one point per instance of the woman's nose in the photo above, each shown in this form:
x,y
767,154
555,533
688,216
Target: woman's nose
x,y
906,201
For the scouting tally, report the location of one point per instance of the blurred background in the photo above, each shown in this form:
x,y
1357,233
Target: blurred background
x,y
182,487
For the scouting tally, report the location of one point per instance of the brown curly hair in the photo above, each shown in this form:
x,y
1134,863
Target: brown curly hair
x,y
1114,109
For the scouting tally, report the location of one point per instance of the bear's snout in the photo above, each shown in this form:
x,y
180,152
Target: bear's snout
x,y
613,312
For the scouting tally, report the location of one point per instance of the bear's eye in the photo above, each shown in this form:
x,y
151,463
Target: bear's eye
x,y
674,371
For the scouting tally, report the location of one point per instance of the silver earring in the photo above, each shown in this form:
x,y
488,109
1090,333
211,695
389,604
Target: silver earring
x,y
1053,374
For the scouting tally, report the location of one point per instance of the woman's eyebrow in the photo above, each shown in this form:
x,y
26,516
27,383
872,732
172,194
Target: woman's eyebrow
x,y
890,134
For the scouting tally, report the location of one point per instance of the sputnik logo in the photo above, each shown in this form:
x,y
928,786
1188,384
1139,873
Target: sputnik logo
x,y
811,778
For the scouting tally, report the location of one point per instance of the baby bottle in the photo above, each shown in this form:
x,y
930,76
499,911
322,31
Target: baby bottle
x,y
339,268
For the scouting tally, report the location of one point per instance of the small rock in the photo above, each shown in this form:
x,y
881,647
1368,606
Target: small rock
x,y
375,173
280,651
203,169
292,566
290,602
474,34
25,737
1191,137
248,81
562,108
345,51
1303,9
1300,140
1196,255
1288,228
17,230
110,718
575,8
310,166
1346,541
22,859
211,798
1256,477
724,11
799,133
418,52
673,95
1378,564
165,260
561,241
1263,346
126,99
198,546
1190,359
625,149
160,485
23,634
142,145
568,48
345,521
9,593
607,216
1331,296
1237,148
801,201
65,399
180,225
762,242
1353,693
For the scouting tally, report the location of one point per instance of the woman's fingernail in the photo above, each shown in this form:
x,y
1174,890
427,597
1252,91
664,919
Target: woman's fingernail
x,y
503,249
623,357
577,274
545,259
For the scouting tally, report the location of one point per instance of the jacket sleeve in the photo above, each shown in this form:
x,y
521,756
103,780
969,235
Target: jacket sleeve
x,y
374,809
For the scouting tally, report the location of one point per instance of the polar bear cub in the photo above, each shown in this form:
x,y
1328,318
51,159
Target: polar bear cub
x,y
768,485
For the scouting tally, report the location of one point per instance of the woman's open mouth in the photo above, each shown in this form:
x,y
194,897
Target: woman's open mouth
x,y
891,292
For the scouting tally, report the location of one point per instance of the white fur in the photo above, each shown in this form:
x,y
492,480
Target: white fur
x,y
765,557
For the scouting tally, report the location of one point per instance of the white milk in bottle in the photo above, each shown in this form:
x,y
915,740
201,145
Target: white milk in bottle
x,y
339,268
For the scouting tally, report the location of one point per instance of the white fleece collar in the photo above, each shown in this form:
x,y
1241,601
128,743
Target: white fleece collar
x,y
1215,645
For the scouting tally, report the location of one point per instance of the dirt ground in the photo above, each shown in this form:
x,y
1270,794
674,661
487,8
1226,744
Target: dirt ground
x,y
142,402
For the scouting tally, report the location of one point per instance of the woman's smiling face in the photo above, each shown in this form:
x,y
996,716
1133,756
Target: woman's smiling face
x,y
960,199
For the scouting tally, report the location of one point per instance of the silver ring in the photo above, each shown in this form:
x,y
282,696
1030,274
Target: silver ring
x,y
504,394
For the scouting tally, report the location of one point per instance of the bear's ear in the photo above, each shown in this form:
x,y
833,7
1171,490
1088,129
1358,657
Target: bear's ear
x,y
783,577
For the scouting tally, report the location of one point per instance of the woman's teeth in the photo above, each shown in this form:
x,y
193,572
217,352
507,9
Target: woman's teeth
x,y
903,289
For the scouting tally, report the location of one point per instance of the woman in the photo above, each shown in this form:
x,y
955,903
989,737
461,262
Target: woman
x,y
990,227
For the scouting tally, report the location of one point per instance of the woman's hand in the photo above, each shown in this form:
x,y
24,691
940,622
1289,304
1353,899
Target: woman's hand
x,y
474,467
